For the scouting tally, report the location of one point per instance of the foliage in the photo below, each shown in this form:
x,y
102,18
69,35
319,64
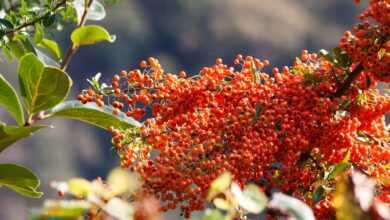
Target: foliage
x,y
95,199
290,143
354,195
26,28
19,179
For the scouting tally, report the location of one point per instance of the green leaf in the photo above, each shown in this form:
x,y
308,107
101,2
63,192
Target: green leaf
x,y
10,134
318,194
90,34
250,199
16,47
38,36
336,170
28,47
326,55
42,87
96,10
5,24
346,157
341,57
9,100
291,206
339,168
20,179
7,52
90,113
49,19
52,46
219,185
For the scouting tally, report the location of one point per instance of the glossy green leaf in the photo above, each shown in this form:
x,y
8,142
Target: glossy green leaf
x,y
219,185
250,199
90,113
38,35
90,34
20,179
16,48
9,100
52,46
42,87
96,10
291,206
10,134
49,19
339,168
5,24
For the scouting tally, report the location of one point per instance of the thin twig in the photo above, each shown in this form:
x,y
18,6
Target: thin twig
x,y
73,49
35,20
347,83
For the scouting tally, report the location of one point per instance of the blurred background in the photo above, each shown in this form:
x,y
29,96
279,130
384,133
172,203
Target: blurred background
x,y
184,35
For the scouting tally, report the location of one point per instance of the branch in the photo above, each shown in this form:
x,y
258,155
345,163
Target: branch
x,y
35,20
347,83
72,50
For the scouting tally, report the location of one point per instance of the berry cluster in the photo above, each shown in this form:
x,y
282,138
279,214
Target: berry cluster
x,y
369,42
279,130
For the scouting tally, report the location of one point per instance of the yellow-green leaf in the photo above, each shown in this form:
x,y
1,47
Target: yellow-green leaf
x,y
42,87
92,114
219,185
90,34
52,46
80,187
20,179
9,100
17,48
10,134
